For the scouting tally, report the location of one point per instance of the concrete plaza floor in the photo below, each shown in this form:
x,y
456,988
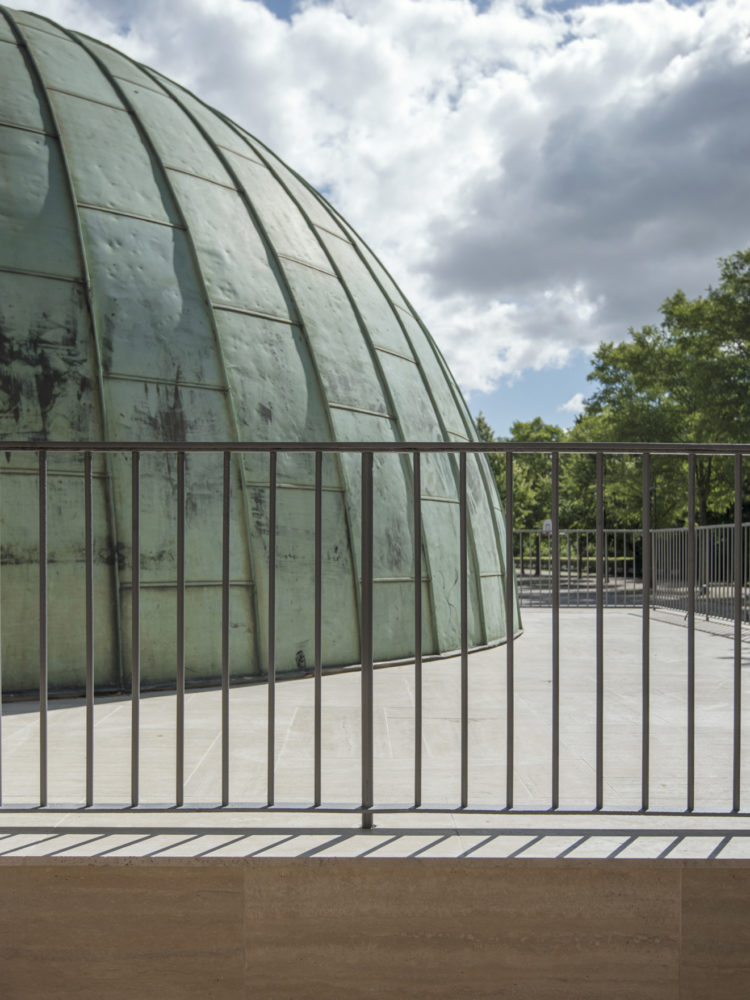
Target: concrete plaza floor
x,y
530,832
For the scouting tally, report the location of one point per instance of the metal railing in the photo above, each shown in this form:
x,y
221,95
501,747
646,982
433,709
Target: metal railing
x,y
576,567
623,571
720,558
506,767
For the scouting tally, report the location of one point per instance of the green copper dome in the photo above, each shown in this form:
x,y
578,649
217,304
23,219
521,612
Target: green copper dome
x,y
165,277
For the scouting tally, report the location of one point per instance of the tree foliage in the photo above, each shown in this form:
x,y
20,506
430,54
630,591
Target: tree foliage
x,y
685,380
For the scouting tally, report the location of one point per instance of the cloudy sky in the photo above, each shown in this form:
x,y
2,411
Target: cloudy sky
x,y
537,176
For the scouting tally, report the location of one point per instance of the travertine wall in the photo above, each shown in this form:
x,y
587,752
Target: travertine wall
x,y
304,928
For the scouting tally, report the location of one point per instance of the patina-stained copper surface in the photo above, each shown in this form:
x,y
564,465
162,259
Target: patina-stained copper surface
x,y
165,277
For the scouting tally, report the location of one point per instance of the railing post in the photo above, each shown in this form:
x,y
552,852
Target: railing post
x,y
600,557
646,633
271,671
135,628
366,638
691,570
509,627
738,573
318,629
417,518
43,664
89,556
2,498
463,573
556,629
225,611
180,721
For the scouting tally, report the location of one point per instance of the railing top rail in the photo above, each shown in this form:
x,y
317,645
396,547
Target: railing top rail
x,y
700,527
727,526
581,531
398,447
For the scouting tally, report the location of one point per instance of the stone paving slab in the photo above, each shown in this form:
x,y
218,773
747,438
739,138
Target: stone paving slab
x,y
71,831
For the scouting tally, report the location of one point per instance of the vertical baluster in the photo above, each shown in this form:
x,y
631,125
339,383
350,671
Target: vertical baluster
x,y
556,630
318,627
737,560
43,663
691,567
463,573
417,532
646,634
89,558
135,627
509,627
615,533
366,638
180,722
271,782
225,611
601,555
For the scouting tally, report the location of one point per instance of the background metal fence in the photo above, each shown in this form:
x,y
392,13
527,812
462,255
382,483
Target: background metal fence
x,y
713,586
720,561
622,567
606,560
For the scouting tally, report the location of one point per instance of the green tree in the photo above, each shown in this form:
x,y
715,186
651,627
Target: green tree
x,y
685,380
711,337
496,463
531,473
532,481
623,481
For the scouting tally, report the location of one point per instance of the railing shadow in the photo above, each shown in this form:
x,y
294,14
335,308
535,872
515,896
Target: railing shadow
x,y
550,842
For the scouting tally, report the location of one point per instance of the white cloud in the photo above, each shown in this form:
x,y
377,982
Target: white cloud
x,y
574,405
536,179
